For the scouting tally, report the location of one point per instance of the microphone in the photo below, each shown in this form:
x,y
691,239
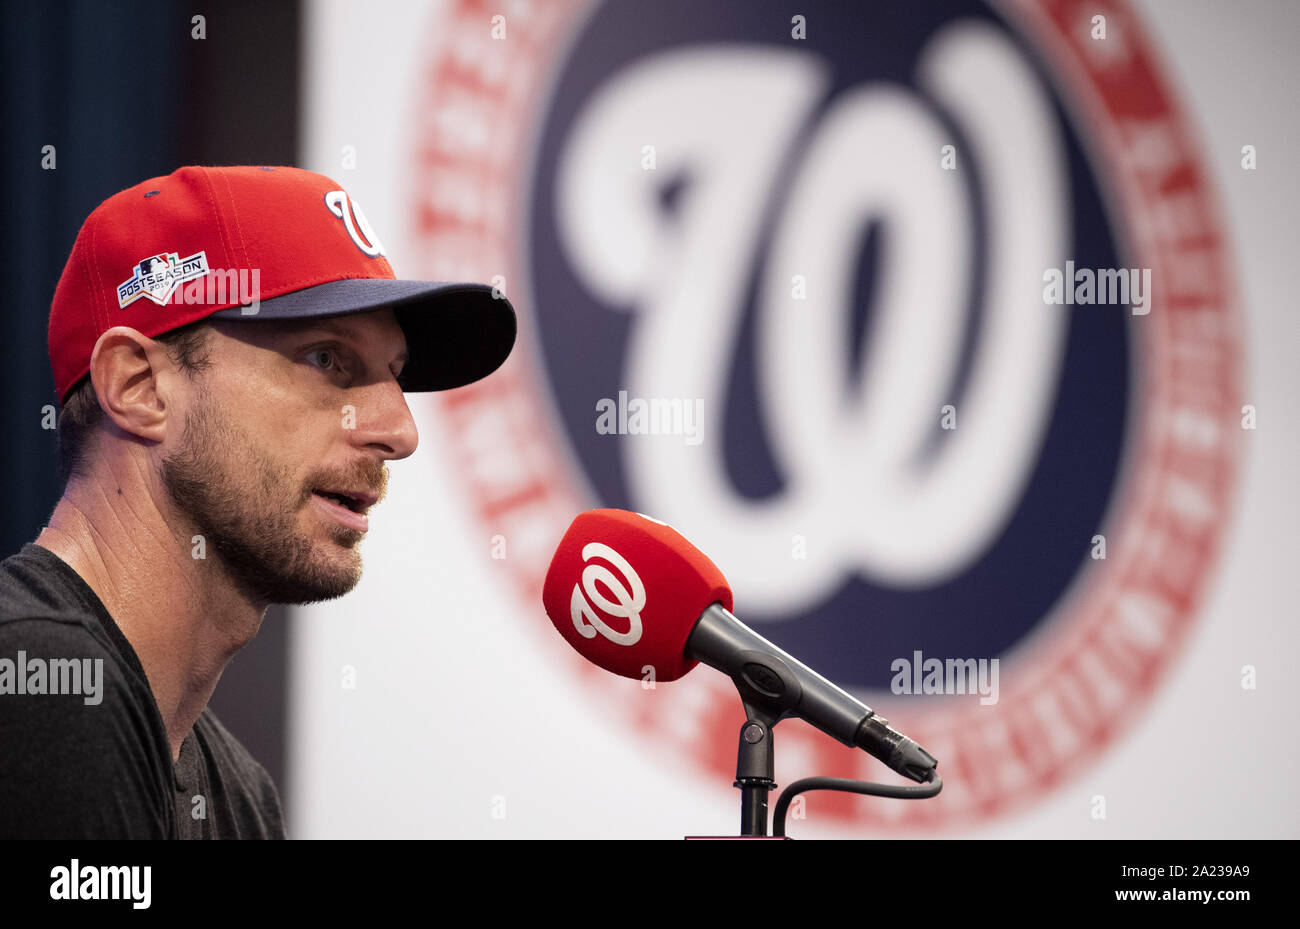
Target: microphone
x,y
633,596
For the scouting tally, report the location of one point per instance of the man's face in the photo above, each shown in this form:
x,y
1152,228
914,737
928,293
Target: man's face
x,y
286,417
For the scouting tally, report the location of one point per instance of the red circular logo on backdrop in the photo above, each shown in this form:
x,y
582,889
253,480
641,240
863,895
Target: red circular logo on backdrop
x,y
513,179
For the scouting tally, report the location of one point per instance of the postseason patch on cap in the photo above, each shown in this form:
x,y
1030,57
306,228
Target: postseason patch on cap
x,y
158,276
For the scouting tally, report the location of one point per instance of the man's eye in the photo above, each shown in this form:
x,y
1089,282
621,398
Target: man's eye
x,y
324,358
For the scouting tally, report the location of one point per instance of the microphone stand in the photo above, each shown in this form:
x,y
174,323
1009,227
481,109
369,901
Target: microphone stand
x,y
755,765
755,769
769,692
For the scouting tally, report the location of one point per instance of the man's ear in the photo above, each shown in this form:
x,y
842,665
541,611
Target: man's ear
x,y
132,375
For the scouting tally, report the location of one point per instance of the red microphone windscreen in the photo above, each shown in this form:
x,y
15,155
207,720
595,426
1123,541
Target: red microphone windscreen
x,y
626,590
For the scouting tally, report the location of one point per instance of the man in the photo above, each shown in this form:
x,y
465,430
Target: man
x,y
230,348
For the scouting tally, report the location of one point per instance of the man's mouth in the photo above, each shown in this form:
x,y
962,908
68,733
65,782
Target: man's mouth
x,y
357,501
348,507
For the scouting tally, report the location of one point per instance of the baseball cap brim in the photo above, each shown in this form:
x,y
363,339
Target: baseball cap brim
x,y
456,333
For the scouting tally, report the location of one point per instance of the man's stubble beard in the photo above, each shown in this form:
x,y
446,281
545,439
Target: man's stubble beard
x,y
245,506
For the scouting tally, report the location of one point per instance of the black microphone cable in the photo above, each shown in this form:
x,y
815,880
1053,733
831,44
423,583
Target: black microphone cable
x,y
850,786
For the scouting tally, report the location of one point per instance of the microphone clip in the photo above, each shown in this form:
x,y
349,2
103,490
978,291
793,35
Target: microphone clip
x,y
768,690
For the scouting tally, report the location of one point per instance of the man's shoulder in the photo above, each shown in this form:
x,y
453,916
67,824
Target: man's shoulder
x,y
63,633
56,636
85,752
30,574
82,742
67,693
47,610
53,649
36,604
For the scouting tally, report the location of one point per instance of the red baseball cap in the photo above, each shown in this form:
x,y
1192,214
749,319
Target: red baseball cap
x,y
257,243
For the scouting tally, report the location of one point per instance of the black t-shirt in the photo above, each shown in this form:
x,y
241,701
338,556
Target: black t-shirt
x,y
83,749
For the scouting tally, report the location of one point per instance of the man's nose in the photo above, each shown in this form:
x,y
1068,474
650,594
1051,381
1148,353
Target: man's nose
x,y
380,420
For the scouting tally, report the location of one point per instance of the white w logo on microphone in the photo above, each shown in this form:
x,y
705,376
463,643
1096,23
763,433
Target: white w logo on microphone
x,y
630,602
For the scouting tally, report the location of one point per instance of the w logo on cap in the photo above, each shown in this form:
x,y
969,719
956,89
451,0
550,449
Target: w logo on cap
x,y
346,209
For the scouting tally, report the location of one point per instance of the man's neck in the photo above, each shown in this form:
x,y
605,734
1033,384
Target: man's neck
x,y
183,616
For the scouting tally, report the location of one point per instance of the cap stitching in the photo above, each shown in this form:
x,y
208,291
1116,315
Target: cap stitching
x,y
101,316
216,210
89,273
234,212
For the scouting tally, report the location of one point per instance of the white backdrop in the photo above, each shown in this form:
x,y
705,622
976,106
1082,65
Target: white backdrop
x,y
467,720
